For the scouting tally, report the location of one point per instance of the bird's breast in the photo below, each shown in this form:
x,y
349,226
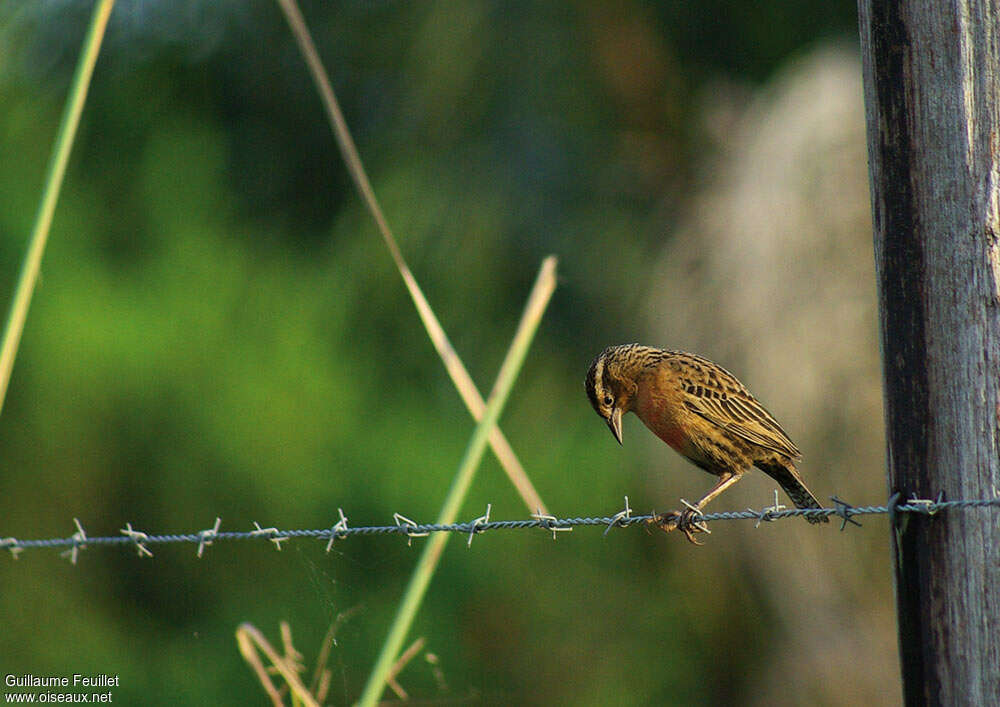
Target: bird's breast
x,y
662,416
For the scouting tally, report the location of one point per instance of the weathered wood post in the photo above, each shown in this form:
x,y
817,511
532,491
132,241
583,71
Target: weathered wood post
x,y
932,83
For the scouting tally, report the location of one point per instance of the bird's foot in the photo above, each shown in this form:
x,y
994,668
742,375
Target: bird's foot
x,y
687,521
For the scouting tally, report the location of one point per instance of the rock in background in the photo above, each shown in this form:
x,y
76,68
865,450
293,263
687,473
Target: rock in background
x,y
771,274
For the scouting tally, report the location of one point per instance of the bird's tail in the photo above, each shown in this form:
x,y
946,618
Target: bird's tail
x,y
786,475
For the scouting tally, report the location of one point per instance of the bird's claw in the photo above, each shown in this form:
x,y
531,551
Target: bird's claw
x,y
687,521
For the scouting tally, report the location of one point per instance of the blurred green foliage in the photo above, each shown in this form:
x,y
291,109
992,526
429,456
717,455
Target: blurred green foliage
x,y
219,331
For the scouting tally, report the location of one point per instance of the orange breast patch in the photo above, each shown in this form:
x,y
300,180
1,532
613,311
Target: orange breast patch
x,y
672,435
657,414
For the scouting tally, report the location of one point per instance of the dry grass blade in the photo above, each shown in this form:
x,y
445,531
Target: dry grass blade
x,y
401,663
456,369
250,655
249,639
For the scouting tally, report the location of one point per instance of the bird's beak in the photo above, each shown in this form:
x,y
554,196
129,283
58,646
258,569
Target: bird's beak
x,y
615,424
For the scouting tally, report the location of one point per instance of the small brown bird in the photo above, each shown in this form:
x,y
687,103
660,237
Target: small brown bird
x,y
703,412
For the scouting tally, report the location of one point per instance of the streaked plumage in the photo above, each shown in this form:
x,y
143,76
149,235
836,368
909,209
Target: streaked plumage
x,y
699,409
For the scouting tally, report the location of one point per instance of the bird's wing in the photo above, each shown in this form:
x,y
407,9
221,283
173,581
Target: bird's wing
x,y
722,400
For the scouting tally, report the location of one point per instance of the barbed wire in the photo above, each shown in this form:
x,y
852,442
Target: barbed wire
x,y
411,529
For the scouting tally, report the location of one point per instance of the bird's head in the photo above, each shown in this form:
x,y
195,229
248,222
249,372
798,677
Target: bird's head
x,y
611,385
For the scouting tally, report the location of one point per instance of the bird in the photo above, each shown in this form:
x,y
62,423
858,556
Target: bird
x,y
704,413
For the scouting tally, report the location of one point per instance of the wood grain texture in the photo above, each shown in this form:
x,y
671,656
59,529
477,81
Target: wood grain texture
x,y
931,73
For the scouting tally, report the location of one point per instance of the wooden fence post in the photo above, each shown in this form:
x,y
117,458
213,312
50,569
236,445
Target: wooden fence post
x,y
932,83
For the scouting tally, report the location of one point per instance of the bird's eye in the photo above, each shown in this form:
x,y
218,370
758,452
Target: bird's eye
x,y
608,400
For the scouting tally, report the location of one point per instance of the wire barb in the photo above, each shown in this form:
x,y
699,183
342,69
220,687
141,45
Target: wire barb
x,y
478,522
272,534
79,539
767,513
844,510
13,545
409,527
620,519
698,521
930,506
338,531
548,522
207,536
138,538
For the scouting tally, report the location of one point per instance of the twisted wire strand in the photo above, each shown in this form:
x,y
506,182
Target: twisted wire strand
x,y
480,525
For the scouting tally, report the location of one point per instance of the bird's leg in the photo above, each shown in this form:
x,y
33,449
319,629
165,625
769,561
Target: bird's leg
x,y
685,520
726,479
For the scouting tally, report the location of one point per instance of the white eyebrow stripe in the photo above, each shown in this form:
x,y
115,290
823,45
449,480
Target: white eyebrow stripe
x,y
599,378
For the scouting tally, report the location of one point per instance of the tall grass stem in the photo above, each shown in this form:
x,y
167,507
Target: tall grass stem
x,y
426,565
50,194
